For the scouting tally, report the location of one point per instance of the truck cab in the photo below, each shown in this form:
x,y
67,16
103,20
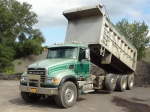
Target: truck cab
x,y
64,63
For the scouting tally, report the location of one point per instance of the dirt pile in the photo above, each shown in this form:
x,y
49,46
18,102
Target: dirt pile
x,y
22,63
142,77
96,70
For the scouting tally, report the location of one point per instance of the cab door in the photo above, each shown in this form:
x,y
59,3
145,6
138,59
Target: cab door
x,y
82,66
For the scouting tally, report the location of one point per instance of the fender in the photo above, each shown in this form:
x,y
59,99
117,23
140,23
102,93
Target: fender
x,y
72,78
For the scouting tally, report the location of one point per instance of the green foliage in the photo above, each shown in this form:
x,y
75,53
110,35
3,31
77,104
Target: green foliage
x,y
6,57
15,19
30,45
10,72
17,36
20,62
136,33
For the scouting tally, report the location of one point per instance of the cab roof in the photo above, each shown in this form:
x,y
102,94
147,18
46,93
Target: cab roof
x,y
69,45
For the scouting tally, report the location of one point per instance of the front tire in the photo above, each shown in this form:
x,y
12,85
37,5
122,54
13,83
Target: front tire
x,y
30,98
67,95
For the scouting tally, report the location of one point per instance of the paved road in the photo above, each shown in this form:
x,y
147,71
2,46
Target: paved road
x,y
136,100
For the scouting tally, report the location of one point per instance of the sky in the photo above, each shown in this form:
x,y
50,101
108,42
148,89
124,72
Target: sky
x,y
53,24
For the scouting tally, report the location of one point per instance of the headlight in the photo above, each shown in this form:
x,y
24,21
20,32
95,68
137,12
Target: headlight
x,y
53,80
23,78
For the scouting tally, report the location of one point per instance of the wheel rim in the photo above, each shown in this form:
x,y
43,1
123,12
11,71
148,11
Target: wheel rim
x,y
112,82
131,82
69,95
123,84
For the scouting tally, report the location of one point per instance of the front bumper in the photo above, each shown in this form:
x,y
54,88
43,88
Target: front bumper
x,y
38,89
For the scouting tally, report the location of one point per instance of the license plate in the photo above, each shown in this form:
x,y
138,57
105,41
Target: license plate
x,y
33,90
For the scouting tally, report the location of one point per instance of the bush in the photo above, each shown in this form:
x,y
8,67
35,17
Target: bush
x,y
6,58
9,69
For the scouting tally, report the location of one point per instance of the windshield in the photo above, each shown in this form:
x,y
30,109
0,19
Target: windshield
x,y
62,52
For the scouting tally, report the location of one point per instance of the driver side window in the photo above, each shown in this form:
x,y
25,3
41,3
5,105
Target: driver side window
x,y
52,54
81,54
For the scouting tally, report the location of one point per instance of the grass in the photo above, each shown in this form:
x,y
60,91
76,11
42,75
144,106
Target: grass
x,y
9,72
9,69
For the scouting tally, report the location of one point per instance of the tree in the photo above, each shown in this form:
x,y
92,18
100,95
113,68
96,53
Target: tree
x,y
31,45
16,30
6,57
136,33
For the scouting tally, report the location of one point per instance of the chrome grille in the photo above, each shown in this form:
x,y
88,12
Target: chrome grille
x,y
37,71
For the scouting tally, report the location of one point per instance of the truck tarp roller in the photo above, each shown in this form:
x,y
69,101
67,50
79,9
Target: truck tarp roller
x,y
110,50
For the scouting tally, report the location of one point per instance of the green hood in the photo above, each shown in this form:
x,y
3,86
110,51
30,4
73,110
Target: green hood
x,y
48,63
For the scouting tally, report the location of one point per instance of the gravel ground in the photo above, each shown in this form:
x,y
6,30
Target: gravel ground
x,y
136,100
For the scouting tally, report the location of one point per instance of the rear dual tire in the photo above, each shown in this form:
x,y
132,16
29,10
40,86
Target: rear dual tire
x,y
124,83
121,83
130,82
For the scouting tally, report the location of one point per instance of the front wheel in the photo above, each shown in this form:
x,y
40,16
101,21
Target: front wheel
x,y
67,95
29,97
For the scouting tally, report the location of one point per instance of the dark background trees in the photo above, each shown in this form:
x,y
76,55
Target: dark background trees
x,y
136,33
18,38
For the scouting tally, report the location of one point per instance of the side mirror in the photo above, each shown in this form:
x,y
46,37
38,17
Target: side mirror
x,y
87,54
44,53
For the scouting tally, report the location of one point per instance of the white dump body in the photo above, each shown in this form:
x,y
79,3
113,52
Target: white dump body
x,y
109,49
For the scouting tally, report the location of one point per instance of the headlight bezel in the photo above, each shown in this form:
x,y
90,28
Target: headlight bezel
x,y
52,80
23,78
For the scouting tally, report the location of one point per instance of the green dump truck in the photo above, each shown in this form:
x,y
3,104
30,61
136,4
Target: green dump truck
x,y
65,74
